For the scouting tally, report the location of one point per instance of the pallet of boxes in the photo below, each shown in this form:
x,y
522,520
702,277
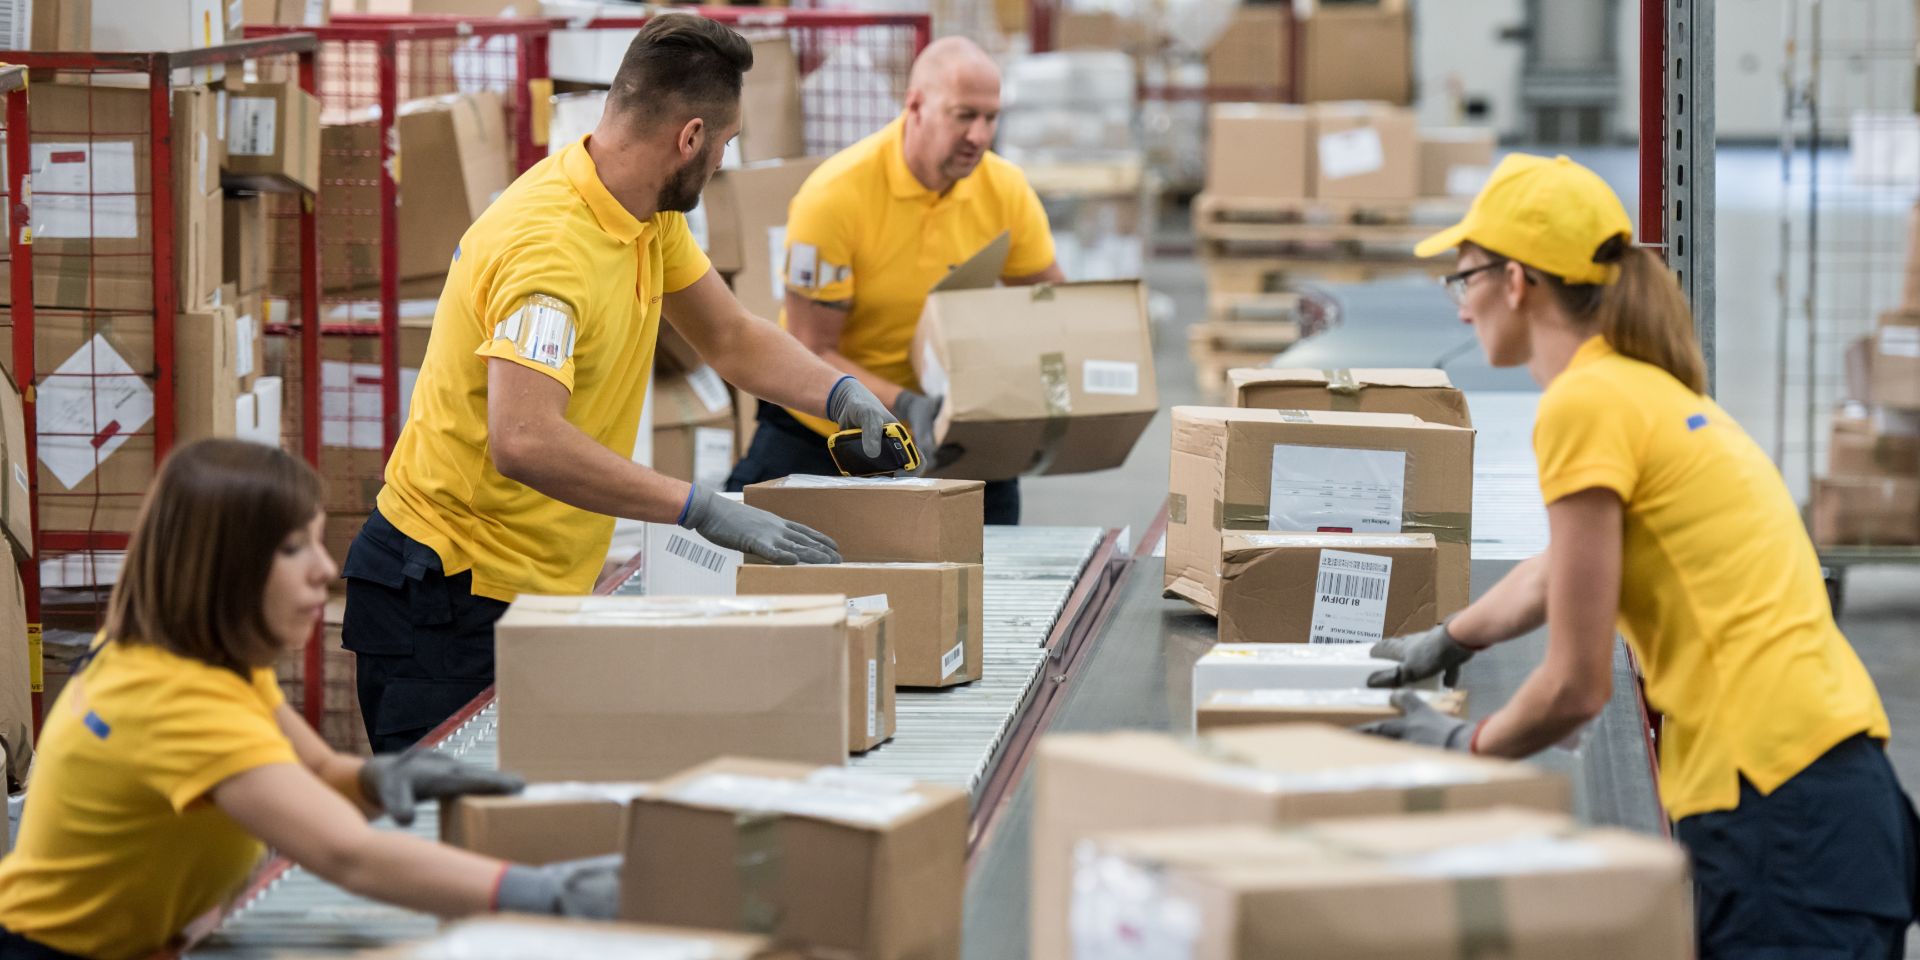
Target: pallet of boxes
x,y
1337,515
1335,191
1870,495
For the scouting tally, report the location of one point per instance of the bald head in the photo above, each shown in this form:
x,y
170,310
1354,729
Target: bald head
x,y
953,108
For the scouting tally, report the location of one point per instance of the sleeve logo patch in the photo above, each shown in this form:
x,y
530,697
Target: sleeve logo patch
x,y
542,330
1696,421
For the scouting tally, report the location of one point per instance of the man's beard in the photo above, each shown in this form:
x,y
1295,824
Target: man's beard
x,y
681,192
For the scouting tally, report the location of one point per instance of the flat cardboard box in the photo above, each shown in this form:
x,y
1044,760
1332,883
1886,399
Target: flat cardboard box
x,y
1855,512
636,688
937,613
772,126
1091,784
681,563
1894,371
1424,393
1365,151
1539,885
1455,161
16,500
515,937
1250,57
1225,473
1259,151
870,678
273,138
546,823
747,229
206,379
1858,450
1357,51
884,519
1287,666
16,678
245,244
65,25
1354,588
1339,708
103,462
1039,380
854,865
693,427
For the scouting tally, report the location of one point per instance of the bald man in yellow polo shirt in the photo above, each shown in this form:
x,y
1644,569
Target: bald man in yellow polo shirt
x,y
870,233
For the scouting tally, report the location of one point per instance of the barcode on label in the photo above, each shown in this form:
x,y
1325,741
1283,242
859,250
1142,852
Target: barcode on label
x,y
953,661
873,699
1110,376
1349,585
696,554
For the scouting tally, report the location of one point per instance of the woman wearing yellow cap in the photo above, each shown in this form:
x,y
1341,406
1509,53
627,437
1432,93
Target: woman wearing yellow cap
x,y
1669,523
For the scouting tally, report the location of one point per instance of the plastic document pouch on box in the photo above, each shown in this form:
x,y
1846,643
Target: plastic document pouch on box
x,y
1333,489
84,190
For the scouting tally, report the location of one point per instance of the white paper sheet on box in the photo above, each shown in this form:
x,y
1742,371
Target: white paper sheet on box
x,y
84,189
1334,489
88,408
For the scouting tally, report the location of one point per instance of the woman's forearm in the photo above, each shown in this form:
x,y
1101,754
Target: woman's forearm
x,y
1514,607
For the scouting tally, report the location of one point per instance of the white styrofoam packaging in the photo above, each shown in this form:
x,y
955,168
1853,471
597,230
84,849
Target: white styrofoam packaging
x,y
1287,666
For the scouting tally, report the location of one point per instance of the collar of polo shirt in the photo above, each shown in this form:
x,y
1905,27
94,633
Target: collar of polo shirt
x,y
585,177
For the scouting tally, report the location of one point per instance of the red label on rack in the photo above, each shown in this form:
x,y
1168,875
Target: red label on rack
x,y
106,433
67,156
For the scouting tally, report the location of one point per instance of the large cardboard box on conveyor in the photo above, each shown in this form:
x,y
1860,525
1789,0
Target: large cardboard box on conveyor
x,y
937,629
635,688
1518,884
832,861
1038,380
1288,470
884,519
1090,784
1288,666
870,674
1325,587
1427,394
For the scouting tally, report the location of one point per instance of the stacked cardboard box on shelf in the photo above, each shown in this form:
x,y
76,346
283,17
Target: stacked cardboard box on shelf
x,y
1870,494
1350,51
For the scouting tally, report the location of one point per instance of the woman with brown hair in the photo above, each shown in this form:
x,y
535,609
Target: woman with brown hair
x,y
1669,523
171,756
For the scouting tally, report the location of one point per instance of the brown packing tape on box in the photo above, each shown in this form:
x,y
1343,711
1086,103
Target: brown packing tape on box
x,y
756,862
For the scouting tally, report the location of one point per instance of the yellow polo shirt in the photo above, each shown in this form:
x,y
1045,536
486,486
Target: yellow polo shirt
x,y
559,278
120,847
863,229
1721,595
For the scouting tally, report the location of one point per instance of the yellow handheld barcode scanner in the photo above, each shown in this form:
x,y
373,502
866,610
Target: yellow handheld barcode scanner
x,y
897,453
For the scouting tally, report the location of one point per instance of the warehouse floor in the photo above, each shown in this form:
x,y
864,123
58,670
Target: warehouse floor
x,y
1881,605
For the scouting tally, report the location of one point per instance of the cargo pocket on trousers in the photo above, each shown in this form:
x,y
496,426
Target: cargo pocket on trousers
x,y
417,706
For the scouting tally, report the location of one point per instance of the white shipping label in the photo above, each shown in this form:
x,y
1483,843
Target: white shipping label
x,y
1350,597
1900,342
1111,376
1351,153
16,24
873,698
250,126
868,604
711,390
712,456
350,405
84,190
1336,490
699,554
88,408
776,252
243,335
315,15
953,661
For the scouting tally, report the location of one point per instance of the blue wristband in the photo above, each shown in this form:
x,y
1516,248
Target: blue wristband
x,y
688,505
835,391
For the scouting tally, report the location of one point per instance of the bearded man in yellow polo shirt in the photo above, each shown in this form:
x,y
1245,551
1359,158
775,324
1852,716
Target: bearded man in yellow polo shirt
x,y
870,233
517,452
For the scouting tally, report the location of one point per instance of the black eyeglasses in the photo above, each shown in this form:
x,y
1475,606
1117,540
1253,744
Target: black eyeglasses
x,y
1456,283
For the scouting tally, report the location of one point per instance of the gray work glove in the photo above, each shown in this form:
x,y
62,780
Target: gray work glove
x,y
854,407
1425,654
1422,724
918,413
737,526
588,888
398,781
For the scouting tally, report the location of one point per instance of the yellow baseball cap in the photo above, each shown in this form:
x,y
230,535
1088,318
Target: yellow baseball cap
x,y
1550,214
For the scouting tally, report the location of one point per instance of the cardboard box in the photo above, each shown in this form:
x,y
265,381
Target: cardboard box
x,y
94,418
1250,56
245,244
1392,473
1259,150
1339,708
48,24
1426,394
1039,380
206,373
747,229
635,688
1859,364
884,519
16,495
546,823
1539,885
1099,30
288,13
1910,289
937,610
1357,51
273,138
1455,161
1353,588
1857,450
1857,511
197,197
771,123
1287,666
682,563
855,865
159,25
870,677
1894,371
16,691
693,427
514,937
1090,784
1365,151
